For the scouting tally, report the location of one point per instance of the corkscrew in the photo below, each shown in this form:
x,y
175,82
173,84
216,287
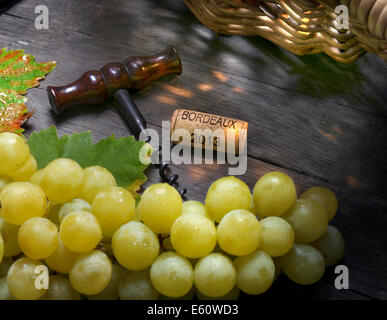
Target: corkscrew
x,y
115,80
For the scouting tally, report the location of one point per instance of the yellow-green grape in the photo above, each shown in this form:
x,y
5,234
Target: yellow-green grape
x,y
214,275
197,207
308,219
53,213
21,201
4,181
60,289
331,245
188,296
37,177
227,194
277,236
274,193
193,236
1,248
232,295
135,246
4,291
166,244
62,180
172,275
9,233
14,152
21,279
80,231
255,272
26,171
91,272
74,205
136,285
239,232
303,264
62,260
278,268
5,265
113,207
252,209
96,178
325,197
38,238
111,291
160,206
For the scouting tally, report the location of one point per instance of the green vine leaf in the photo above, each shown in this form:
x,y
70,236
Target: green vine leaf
x,y
18,73
119,155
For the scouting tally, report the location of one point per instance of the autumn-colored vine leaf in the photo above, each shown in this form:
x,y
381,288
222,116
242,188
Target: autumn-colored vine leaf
x,y
18,73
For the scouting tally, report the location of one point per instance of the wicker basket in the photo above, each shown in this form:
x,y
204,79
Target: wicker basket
x,y
301,26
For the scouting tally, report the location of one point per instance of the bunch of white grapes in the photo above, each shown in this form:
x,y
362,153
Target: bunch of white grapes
x,y
97,244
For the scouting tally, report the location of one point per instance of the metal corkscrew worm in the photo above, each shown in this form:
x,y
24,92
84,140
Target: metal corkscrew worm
x,y
114,80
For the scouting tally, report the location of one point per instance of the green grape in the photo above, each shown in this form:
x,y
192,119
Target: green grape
x,y
1,248
113,207
325,197
73,206
62,260
277,236
37,177
4,181
111,291
303,264
60,289
4,291
80,231
53,213
308,219
172,275
239,232
160,206
331,245
26,171
21,279
188,296
96,178
193,235
232,295
9,233
62,180
214,275
255,272
278,268
227,194
38,238
166,244
135,246
5,265
91,273
21,201
274,193
14,152
136,285
197,208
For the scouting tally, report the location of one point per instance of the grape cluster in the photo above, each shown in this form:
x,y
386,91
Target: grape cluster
x,y
97,244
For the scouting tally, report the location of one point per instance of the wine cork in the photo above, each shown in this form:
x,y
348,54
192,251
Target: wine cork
x,y
209,131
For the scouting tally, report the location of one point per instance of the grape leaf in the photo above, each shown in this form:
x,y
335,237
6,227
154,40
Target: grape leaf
x,y
119,155
18,72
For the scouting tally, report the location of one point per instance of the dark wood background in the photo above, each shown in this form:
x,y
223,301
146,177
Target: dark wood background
x,y
321,122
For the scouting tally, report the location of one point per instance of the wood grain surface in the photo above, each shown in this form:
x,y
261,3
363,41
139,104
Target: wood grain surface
x,y
321,122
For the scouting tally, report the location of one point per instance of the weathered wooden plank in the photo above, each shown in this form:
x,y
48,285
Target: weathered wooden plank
x,y
303,133
360,85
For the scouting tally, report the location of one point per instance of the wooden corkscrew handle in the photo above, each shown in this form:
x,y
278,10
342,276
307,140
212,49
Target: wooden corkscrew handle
x,y
97,86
